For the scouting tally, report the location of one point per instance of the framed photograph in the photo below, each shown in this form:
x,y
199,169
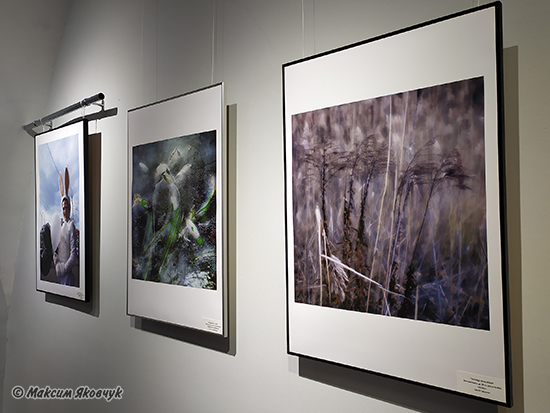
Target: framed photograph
x,y
176,245
60,178
396,235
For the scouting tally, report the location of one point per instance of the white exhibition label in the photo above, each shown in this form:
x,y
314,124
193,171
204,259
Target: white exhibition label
x,y
481,386
213,326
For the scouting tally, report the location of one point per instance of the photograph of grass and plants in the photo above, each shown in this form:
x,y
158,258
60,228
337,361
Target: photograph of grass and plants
x,y
174,211
389,205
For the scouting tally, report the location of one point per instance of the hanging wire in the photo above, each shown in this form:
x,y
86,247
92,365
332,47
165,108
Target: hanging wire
x,y
304,27
303,32
213,38
314,48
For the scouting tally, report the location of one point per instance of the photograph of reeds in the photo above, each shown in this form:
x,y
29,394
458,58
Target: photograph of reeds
x,y
174,211
389,205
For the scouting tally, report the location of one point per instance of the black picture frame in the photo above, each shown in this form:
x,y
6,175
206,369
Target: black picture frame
x,y
395,206
61,182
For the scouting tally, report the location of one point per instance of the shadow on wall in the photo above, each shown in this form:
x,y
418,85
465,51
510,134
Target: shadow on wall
x,y
390,390
511,115
94,234
188,335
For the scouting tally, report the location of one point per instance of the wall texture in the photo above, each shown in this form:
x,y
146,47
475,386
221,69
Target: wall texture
x,y
137,52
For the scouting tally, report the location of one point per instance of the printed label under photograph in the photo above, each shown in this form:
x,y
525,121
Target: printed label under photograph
x,y
481,386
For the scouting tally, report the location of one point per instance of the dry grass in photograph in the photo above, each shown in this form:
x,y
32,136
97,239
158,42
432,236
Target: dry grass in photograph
x,y
389,205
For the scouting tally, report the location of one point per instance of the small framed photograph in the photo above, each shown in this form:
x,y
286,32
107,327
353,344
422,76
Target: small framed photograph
x,y
61,215
176,240
395,208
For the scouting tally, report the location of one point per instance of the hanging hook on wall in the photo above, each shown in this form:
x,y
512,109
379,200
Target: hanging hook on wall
x,y
47,126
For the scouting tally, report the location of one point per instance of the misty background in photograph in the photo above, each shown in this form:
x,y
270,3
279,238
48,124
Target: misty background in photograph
x,y
389,205
174,211
53,158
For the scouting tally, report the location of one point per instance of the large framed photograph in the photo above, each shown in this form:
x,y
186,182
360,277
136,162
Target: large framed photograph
x,y
176,247
60,178
396,235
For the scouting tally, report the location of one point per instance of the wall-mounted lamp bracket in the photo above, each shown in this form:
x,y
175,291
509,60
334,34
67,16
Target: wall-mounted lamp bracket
x,y
92,100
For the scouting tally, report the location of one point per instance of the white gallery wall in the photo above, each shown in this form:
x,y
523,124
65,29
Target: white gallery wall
x,y
139,52
28,49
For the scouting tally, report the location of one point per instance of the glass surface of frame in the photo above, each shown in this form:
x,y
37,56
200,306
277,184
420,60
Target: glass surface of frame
x,y
60,191
396,255
176,258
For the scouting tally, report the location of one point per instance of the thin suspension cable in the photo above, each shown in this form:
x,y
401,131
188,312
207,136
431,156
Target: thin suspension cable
x,y
314,27
213,38
303,32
